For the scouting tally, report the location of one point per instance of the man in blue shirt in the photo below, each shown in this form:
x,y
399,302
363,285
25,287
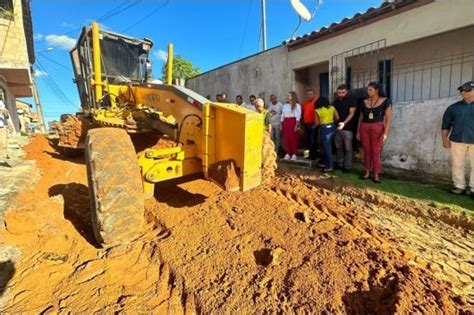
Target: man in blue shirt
x,y
457,132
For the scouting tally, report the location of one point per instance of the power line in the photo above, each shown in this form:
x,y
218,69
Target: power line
x,y
109,14
55,88
245,28
146,16
55,62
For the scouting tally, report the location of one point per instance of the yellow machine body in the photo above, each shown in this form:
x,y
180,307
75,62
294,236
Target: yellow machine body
x,y
205,132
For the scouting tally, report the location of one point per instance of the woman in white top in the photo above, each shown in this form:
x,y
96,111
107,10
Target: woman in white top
x,y
290,123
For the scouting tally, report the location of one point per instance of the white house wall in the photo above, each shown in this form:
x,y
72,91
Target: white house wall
x,y
427,20
263,74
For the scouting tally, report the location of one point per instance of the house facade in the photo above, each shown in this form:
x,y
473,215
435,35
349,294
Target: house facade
x,y
421,50
16,54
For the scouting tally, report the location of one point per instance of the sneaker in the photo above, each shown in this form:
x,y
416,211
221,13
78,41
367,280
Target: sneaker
x,y
293,157
287,157
458,191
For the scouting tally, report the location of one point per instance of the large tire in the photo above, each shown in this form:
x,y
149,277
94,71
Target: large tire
x,y
115,187
269,159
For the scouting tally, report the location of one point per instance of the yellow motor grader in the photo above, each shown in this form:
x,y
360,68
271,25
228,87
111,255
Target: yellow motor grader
x,y
121,106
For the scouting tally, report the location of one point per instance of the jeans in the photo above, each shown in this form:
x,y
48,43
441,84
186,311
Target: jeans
x,y
327,133
310,139
275,135
343,142
460,152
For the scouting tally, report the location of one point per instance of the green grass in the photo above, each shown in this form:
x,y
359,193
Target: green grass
x,y
438,195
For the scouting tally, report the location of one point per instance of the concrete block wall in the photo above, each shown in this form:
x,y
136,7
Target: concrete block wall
x,y
13,48
262,75
415,138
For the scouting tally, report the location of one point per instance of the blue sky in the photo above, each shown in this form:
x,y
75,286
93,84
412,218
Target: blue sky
x,y
209,33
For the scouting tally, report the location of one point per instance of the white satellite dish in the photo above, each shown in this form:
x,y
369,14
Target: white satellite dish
x,y
301,10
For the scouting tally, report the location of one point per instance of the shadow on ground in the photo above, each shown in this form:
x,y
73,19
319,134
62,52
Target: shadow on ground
x,y
66,154
167,191
7,270
76,208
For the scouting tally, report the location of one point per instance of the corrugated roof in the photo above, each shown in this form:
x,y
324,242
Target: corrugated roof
x,y
357,20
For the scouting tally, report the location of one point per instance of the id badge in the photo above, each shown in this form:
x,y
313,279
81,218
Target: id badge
x,y
371,116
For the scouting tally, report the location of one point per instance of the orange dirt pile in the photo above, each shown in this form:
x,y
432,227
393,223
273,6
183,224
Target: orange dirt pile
x,y
287,247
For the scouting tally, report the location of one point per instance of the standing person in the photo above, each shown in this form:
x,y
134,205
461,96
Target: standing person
x,y
373,127
325,117
260,107
223,97
275,108
4,125
458,123
218,98
239,100
345,106
250,106
308,122
290,121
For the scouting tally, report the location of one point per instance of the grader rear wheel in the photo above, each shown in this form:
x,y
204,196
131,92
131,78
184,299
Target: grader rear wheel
x,y
115,187
269,158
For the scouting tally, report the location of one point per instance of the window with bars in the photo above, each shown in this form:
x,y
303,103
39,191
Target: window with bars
x,y
385,76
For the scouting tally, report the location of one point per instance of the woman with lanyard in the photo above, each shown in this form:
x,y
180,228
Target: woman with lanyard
x,y
290,123
374,124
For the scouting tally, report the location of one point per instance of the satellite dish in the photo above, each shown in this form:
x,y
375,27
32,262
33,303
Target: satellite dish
x,y
301,10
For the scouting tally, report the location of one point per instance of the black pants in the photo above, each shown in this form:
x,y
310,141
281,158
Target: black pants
x,y
311,139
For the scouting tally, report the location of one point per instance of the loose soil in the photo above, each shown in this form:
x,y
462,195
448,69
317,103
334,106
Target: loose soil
x,y
290,246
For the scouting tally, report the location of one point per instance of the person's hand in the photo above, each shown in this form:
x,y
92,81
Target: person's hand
x,y
281,128
296,128
340,125
384,137
447,144
358,136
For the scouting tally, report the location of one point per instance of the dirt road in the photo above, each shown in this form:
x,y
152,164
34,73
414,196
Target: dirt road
x,y
291,246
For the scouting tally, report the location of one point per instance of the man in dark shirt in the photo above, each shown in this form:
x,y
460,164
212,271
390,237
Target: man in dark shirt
x,y
457,131
346,107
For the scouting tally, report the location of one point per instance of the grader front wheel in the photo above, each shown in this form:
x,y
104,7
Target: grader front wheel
x,y
269,158
115,187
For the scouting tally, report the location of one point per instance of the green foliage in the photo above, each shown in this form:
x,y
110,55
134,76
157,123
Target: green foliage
x,y
182,69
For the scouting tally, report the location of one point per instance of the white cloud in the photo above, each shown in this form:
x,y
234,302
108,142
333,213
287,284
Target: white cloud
x,y
38,73
161,55
101,26
60,41
38,37
65,24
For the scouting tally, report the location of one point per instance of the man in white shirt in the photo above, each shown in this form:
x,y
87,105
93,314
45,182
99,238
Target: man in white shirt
x,y
4,117
275,111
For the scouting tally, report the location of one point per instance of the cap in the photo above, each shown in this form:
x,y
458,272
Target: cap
x,y
467,85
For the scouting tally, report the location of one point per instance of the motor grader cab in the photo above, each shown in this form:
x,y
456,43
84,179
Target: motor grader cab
x,y
121,106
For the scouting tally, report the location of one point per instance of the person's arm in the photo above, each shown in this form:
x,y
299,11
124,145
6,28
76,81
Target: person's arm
x,y
316,119
270,128
336,115
446,128
386,122
358,127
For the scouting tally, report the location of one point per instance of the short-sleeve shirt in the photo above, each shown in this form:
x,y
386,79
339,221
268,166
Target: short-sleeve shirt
x,y
459,120
266,119
308,111
288,112
375,114
326,114
343,107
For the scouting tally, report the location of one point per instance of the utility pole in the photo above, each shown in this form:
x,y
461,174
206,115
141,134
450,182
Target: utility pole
x,y
39,111
264,26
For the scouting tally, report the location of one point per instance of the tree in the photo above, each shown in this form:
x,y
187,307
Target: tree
x,y
182,69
